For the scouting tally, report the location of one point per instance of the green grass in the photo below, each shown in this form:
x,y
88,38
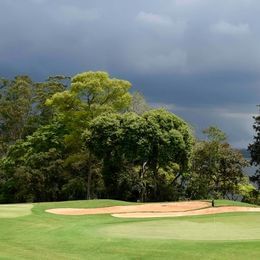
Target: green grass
x,y
217,228
232,203
15,210
42,235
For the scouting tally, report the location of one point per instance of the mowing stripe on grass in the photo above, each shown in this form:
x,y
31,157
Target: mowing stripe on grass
x,y
15,210
244,226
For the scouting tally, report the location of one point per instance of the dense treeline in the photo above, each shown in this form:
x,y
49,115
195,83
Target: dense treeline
x,y
89,137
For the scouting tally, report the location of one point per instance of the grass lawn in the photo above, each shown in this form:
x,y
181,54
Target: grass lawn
x,y
35,234
15,210
232,203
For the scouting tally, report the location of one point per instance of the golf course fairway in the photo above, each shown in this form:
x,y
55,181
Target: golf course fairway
x,y
29,232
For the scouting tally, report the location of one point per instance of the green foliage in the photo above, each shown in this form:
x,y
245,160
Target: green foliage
x,y
15,109
32,170
254,149
169,137
88,137
43,91
22,107
49,162
217,168
214,134
91,94
156,140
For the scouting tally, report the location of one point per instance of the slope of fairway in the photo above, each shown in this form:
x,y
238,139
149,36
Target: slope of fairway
x,y
42,235
15,210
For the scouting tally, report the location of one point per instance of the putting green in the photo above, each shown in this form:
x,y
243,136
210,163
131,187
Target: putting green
x,y
225,227
15,210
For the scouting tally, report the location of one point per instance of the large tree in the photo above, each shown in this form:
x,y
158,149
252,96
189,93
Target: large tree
x,y
154,141
217,168
90,95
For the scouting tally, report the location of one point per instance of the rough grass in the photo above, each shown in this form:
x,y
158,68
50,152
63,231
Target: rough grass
x,y
42,235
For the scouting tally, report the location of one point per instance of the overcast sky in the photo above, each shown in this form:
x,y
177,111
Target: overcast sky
x,y
198,58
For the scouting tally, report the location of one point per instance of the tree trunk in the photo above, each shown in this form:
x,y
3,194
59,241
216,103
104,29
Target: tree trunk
x,y
89,185
143,187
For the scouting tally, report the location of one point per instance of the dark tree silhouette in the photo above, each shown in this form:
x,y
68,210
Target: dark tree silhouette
x,y
254,149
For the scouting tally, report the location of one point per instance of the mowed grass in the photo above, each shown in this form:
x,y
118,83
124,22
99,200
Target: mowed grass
x,y
42,235
15,210
220,227
232,203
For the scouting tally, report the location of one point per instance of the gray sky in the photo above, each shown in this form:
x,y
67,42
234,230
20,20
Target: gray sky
x,y
198,58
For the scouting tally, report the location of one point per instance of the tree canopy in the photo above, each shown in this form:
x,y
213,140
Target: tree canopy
x,y
156,140
88,136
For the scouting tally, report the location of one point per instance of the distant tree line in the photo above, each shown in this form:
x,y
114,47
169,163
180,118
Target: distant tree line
x,y
88,137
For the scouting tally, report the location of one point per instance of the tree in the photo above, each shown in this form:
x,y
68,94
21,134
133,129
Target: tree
x,y
170,142
154,141
83,175
15,109
254,149
22,107
43,114
217,168
32,170
90,95
248,192
214,134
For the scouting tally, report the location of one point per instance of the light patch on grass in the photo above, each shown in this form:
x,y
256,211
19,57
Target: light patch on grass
x,y
15,210
244,227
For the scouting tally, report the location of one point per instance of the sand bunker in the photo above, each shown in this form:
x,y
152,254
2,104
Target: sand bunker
x,y
145,208
154,210
207,211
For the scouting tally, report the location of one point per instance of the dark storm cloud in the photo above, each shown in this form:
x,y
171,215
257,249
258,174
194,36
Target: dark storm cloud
x,y
199,58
